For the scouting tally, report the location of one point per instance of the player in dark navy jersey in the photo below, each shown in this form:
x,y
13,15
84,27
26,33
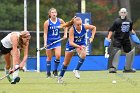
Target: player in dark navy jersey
x,y
51,34
76,42
123,31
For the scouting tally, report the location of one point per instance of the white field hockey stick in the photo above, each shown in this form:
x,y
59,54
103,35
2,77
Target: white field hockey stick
x,y
45,47
9,73
83,49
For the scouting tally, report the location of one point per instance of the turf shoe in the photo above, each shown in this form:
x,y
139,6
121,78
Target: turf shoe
x,y
48,75
15,80
112,70
129,71
76,73
60,80
55,73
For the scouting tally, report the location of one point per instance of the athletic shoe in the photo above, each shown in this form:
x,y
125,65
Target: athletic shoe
x,y
55,73
112,70
48,75
129,71
77,75
15,80
60,80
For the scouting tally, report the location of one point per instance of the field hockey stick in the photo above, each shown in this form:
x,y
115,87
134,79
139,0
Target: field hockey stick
x,y
9,73
83,49
45,47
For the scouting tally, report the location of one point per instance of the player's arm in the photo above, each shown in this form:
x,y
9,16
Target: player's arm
x,y
46,24
15,51
71,38
65,29
134,37
93,29
25,49
107,40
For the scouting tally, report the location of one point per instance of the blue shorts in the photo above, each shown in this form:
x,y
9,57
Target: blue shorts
x,y
53,45
71,48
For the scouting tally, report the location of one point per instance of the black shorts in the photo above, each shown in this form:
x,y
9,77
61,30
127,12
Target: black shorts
x,y
122,43
4,50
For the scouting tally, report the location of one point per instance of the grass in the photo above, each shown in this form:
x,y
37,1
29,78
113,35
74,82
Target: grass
x,y
90,82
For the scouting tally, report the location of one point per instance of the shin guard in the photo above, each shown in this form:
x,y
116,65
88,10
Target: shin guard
x,y
114,59
129,59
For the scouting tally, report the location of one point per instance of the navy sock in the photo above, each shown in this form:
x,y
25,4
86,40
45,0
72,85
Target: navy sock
x,y
48,66
80,62
62,72
56,64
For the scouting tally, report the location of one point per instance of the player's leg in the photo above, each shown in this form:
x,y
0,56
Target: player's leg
x,y
130,53
57,60
114,55
80,62
48,60
8,65
16,77
113,59
67,59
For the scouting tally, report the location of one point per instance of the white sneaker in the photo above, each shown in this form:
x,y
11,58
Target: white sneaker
x,y
60,80
77,75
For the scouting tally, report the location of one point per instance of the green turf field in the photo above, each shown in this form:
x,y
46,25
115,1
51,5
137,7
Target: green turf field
x,y
90,82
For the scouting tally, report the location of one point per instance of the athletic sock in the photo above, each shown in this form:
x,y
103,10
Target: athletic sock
x,y
80,62
15,74
48,66
62,72
56,64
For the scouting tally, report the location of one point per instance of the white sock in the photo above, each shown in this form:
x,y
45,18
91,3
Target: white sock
x,y
15,74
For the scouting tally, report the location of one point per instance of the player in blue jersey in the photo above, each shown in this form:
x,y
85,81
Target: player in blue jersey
x,y
51,34
76,42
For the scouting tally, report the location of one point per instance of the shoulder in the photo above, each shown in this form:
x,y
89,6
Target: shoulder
x,y
128,19
46,22
71,28
14,36
117,19
61,20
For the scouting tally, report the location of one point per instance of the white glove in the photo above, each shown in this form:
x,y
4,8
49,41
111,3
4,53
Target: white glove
x,y
106,52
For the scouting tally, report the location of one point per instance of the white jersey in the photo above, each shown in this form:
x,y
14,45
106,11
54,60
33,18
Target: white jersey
x,y
6,41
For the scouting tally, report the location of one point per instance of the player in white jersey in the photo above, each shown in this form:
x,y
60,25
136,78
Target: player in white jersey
x,y
10,47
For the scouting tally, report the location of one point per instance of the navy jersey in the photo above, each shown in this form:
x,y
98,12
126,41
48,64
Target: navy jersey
x,y
122,28
79,38
53,32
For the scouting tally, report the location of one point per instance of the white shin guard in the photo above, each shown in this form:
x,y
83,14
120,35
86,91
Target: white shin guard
x,y
129,59
116,59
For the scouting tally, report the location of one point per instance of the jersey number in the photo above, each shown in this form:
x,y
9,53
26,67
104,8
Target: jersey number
x,y
78,40
125,28
55,32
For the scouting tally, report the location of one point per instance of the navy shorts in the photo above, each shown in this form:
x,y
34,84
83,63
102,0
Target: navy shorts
x,y
4,50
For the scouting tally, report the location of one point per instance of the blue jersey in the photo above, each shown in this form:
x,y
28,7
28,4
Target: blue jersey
x,y
53,32
79,38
